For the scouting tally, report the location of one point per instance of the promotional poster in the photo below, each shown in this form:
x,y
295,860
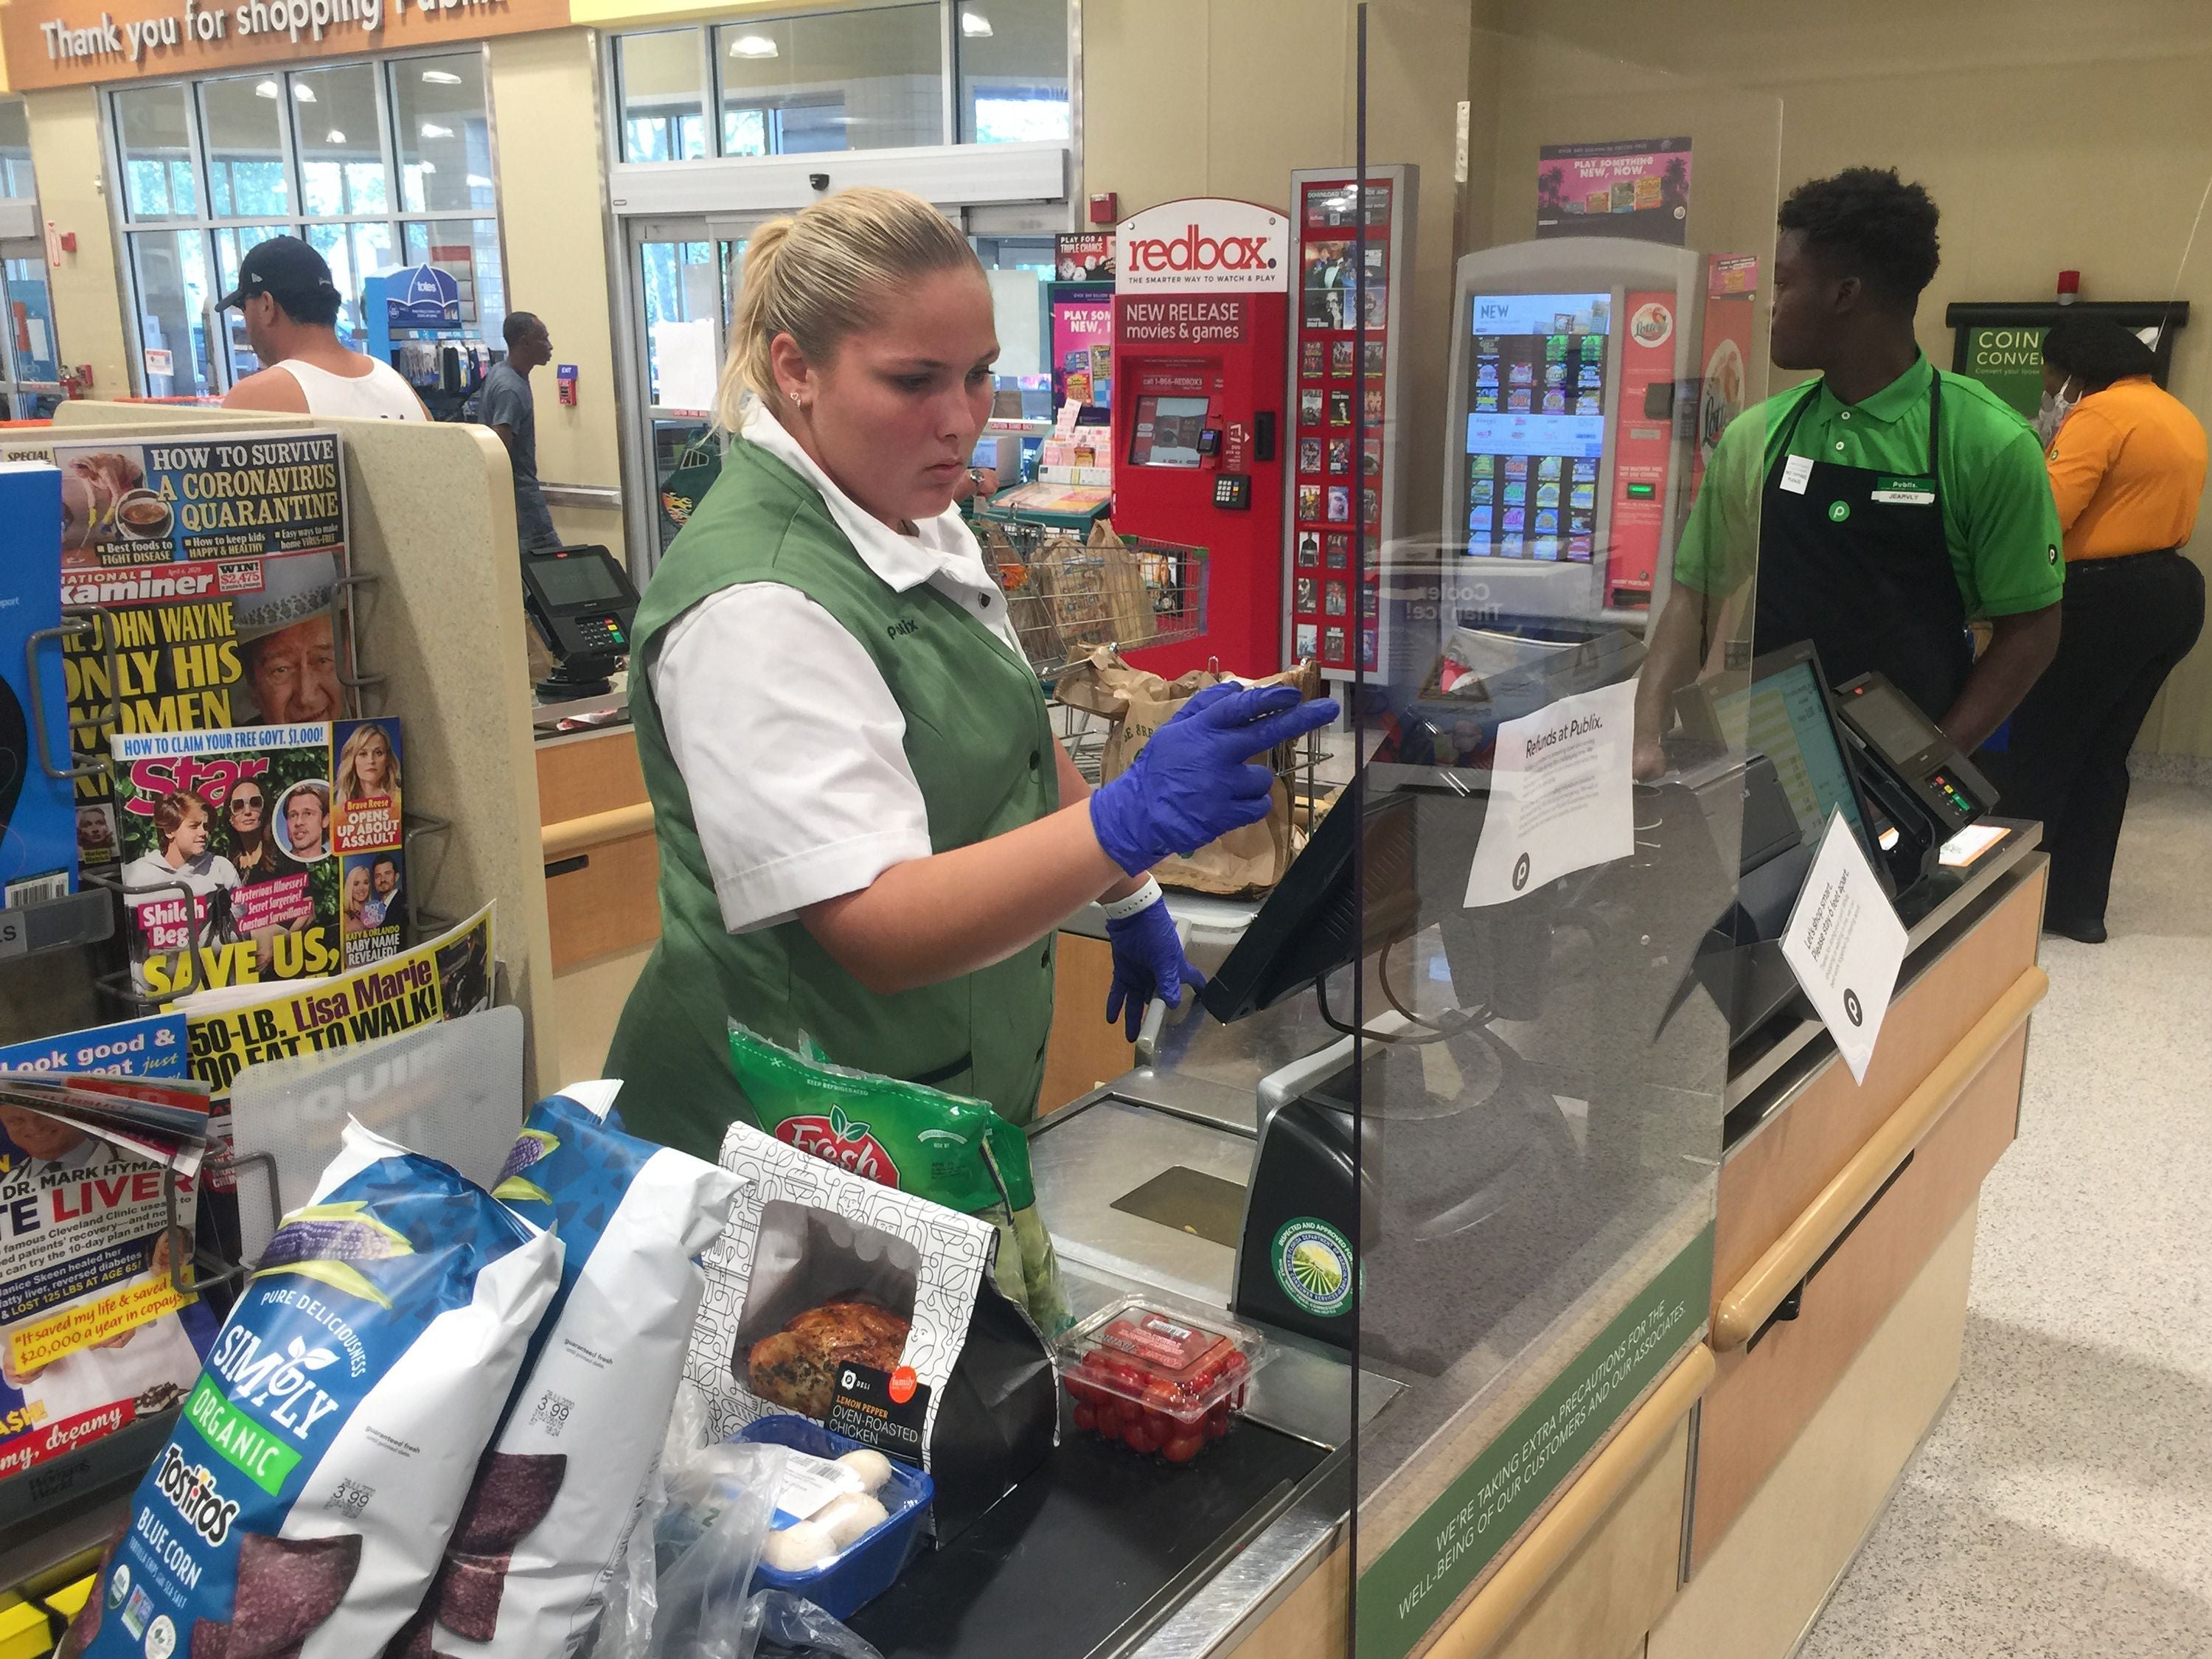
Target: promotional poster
x,y
1637,187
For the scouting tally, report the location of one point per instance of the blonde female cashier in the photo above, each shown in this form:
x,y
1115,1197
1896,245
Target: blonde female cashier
x,y
867,833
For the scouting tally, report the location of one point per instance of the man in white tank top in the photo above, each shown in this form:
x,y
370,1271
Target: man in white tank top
x,y
290,308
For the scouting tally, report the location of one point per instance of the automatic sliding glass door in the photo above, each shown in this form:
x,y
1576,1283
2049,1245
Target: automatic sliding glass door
x,y
682,276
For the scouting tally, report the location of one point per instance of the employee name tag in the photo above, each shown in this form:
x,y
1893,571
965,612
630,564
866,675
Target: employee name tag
x,y
1797,473
1904,492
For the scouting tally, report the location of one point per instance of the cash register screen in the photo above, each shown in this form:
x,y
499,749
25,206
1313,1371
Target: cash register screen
x,y
1785,716
1535,424
581,580
1166,431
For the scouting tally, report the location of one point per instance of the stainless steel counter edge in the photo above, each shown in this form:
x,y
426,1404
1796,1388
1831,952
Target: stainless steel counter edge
x,y
1796,1057
1236,1601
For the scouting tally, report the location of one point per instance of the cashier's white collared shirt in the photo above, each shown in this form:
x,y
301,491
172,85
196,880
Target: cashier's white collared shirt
x,y
791,744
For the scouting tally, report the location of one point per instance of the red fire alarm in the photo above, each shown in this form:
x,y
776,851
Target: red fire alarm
x,y
1105,208
69,241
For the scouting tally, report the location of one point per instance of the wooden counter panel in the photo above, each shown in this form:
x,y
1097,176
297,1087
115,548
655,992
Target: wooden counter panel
x,y
1084,1050
579,776
1752,1597
612,904
1312,1620
1770,1180
1764,1396
1617,1583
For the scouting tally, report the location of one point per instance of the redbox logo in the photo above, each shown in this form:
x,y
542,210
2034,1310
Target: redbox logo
x,y
1191,251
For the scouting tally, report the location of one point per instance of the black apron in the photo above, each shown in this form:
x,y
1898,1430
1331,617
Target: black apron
x,y
1859,566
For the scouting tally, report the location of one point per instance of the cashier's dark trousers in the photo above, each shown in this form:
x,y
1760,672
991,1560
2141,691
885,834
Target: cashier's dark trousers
x,y
2127,622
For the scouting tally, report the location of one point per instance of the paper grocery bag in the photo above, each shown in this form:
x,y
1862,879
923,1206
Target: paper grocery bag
x,y
1135,704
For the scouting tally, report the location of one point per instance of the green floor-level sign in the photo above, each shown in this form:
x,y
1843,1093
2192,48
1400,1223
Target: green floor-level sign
x,y
1417,1578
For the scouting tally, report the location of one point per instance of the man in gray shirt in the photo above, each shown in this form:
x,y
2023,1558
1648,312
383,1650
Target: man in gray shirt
x,y
507,407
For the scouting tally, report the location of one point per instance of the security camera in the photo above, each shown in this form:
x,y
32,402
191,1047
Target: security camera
x,y
819,181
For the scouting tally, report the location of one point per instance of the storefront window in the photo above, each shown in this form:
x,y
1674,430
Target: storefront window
x,y
444,135
468,250
663,97
242,126
846,80
1013,71
175,296
339,135
375,165
869,80
15,150
153,124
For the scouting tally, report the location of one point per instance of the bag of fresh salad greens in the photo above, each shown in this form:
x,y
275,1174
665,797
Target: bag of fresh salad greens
x,y
946,1148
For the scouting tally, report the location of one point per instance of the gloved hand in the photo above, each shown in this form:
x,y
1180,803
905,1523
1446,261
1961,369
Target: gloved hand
x,y
1195,782
1148,963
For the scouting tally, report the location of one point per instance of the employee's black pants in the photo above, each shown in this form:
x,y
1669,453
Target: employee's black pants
x,y
2127,622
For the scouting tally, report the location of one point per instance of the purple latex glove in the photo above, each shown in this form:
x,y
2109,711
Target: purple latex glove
x,y
1148,963
1195,780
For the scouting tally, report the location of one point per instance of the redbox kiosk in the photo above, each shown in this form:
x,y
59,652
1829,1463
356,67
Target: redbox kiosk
x,y
1201,288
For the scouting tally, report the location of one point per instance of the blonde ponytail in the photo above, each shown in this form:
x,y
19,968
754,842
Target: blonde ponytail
x,y
816,275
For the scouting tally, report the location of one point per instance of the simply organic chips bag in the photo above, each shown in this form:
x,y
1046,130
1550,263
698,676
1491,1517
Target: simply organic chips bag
x,y
319,1463
946,1148
557,1494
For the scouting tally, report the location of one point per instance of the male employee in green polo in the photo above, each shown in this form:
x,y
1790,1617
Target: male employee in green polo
x,y
1886,502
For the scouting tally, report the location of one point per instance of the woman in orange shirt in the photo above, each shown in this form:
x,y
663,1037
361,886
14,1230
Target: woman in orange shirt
x,y
2127,466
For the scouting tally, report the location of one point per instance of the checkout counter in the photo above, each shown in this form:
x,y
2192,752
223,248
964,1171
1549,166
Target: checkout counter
x,y
1658,1301
1657,1304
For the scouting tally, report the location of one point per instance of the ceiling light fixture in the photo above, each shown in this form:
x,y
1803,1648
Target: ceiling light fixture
x,y
334,137
426,167
442,78
264,90
752,46
478,181
302,91
975,26
432,130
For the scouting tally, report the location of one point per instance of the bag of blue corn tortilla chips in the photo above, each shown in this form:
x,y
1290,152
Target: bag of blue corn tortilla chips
x,y
557,1495
319,1464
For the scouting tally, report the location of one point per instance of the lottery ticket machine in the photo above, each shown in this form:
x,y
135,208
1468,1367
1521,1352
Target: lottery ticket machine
x,y
1568,450
1200,291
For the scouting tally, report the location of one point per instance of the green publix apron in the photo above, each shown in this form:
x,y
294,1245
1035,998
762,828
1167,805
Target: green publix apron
x,y
979,737
1857,562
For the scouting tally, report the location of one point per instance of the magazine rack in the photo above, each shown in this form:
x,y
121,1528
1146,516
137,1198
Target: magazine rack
x,y
432,619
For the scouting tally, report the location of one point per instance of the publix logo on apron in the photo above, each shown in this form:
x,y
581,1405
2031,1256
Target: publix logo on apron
x,y
1839,511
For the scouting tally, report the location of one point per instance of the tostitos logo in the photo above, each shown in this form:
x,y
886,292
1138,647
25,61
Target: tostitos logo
x,y
1204,245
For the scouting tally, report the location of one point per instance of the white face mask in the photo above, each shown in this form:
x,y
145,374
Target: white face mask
x,y
2051,414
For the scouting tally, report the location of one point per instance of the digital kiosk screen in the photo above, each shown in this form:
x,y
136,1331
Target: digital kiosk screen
x,y
1535,424
1166,431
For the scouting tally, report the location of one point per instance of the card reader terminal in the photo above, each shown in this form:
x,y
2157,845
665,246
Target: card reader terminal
x,y
1928,789
583,605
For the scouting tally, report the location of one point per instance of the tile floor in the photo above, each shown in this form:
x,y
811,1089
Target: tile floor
x,y
2062,1506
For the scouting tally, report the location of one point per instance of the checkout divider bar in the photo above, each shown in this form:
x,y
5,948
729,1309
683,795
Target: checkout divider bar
x,y
572,836
1754,1297
1524,1573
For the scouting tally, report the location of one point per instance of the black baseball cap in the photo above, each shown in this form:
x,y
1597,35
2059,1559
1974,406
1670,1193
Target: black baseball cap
x,y
287,269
